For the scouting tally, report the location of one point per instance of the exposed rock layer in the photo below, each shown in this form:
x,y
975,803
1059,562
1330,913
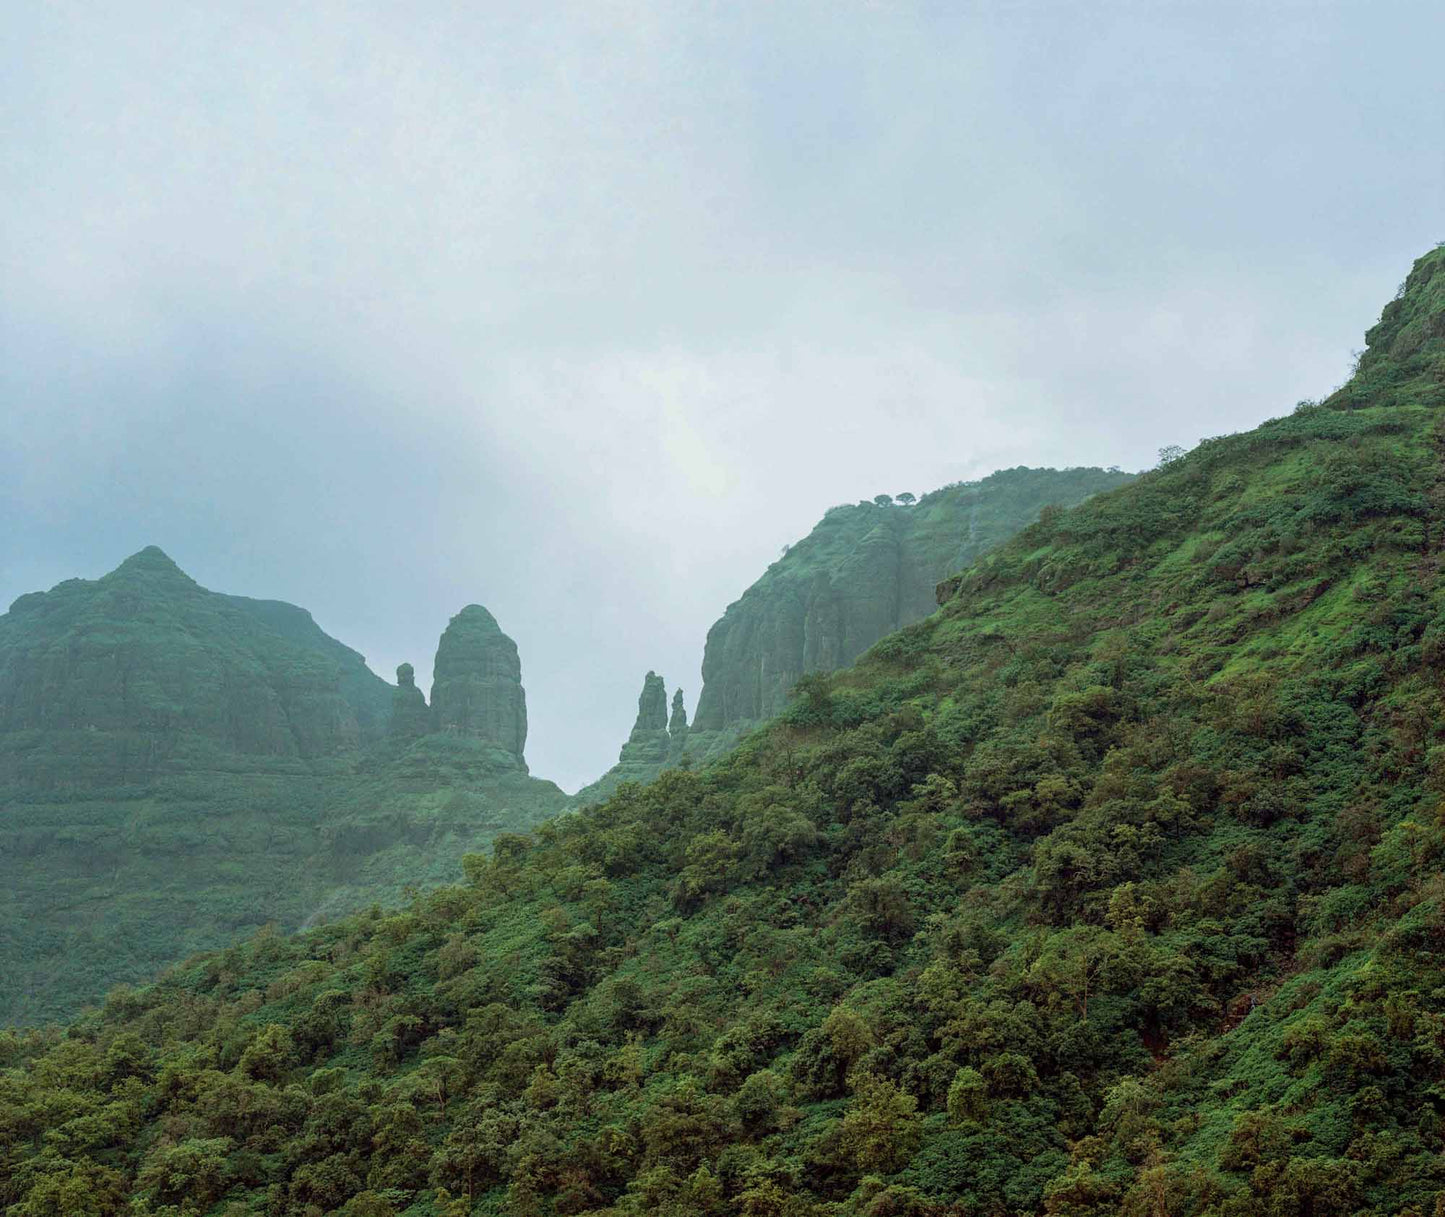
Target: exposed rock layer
x,y
863,572
477,683
180,767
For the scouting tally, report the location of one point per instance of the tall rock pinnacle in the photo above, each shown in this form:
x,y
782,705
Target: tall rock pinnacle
x,y
677,729
648,743
651,705
410,717
477,683
648,749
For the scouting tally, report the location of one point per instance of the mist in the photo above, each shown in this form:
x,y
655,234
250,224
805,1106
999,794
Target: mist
x,y
582,312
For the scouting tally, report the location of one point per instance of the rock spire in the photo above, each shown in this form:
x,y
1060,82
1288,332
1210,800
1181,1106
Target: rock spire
x,y
410,717
477,683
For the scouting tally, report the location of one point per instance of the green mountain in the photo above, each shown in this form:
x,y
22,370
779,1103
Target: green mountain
x,y
864,571
145,671
179,767
1112,887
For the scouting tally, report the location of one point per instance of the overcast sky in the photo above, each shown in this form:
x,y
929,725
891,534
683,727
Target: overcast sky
x,y
582,311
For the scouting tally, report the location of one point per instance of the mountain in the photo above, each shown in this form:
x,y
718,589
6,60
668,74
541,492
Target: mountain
x,y
144,671
1111,887
178,767
864,571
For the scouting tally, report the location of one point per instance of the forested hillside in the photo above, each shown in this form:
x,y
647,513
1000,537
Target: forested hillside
x,y
1114,886
864,570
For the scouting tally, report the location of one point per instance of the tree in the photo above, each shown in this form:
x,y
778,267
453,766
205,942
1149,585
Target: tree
x,y
968,1097
1069,966
195,1170
883,500
881,1130
61,1188
907,498
1169,454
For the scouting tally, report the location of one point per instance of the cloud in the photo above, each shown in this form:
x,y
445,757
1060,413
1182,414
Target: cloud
x,y
583,310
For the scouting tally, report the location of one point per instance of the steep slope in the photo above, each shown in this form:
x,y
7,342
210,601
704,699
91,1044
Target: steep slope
x,y
178,767
655,742
1112,887
863,572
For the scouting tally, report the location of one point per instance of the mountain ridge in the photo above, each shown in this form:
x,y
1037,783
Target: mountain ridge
x,y
208,762
863,571
1111,887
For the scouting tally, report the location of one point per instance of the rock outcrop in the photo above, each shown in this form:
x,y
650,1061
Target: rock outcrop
x,y
649,742
677,730
179,767
477,683
863,572
656,741
410,716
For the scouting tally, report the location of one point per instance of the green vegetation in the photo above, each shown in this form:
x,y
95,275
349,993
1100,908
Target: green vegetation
x,y
1112,887
862,572
179,768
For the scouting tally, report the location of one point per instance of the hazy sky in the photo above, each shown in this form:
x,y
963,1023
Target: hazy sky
x,y
582,311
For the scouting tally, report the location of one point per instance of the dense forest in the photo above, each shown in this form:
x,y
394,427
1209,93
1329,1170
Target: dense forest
x,y
1114,886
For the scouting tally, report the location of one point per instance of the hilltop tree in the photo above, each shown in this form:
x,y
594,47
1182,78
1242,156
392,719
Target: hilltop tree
x,y
1169,454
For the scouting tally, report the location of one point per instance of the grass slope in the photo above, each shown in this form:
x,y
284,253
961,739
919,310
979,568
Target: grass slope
x,y
1113,887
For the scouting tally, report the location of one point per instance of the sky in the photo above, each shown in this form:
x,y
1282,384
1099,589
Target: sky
x,y
582,312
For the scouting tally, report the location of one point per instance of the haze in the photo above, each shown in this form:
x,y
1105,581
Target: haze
x,y
583,312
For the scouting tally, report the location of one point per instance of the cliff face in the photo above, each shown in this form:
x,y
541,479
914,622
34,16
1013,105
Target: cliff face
x,y
179,767
862,573
410,717
142,670
477,683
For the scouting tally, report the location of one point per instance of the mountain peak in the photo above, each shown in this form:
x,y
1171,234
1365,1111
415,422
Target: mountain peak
x,y
475,616
152,560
